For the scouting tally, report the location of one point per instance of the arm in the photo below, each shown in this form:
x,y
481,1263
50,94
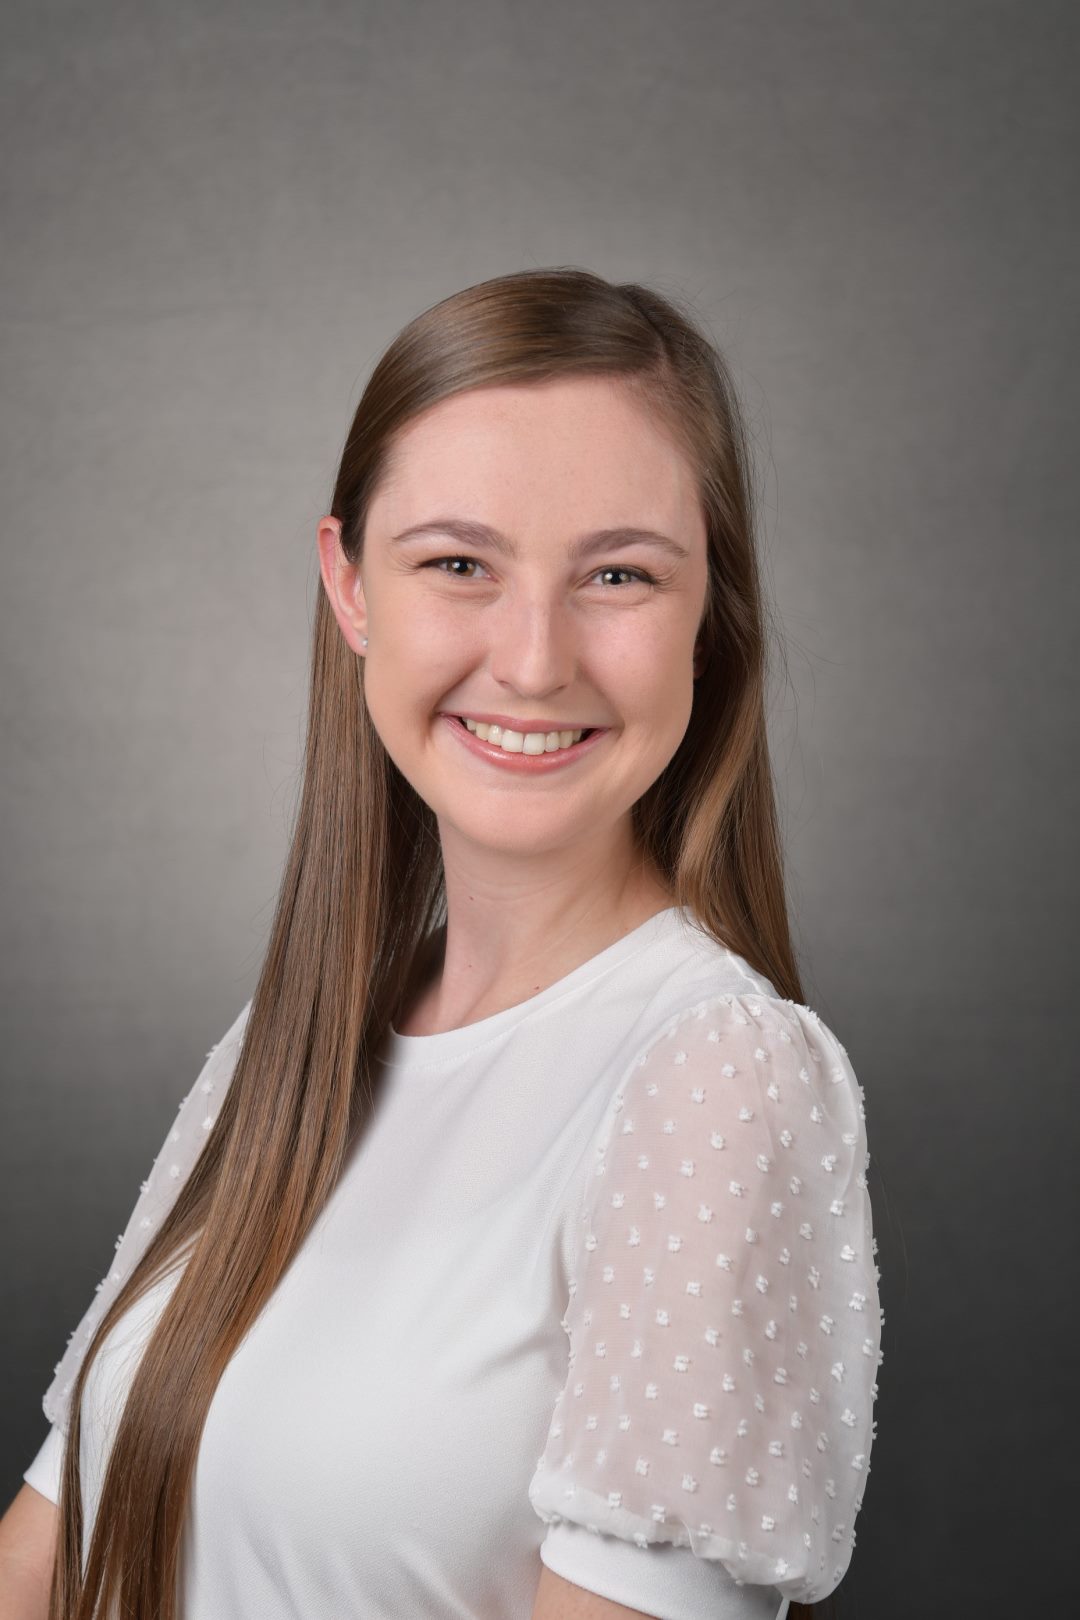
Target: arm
x,y
557,1599
27,1549
724,1325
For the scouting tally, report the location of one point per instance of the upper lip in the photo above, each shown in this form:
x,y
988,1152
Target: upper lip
x,y
509,723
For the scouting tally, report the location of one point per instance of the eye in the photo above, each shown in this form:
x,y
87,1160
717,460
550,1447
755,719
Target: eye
x,y
635,573
611,568
436,562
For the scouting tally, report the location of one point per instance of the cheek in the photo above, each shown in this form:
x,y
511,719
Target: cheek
x,y
661,688
403,696
386,694
427,652
664,710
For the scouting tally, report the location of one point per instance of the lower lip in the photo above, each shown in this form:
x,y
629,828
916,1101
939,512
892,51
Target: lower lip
x,y
526,764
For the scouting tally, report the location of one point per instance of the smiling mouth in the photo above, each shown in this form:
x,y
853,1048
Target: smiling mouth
x,y
582,735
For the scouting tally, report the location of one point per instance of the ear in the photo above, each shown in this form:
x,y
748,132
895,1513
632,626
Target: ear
x,y
344,587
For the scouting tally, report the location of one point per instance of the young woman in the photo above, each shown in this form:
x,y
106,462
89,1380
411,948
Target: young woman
x,y
511,1257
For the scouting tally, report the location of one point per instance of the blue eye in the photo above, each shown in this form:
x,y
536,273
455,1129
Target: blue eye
x,y
610,568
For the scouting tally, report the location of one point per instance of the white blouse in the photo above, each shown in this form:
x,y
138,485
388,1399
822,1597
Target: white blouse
x,y
596,1289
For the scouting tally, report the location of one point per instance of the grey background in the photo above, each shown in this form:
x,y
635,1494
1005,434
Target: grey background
x,y
214,220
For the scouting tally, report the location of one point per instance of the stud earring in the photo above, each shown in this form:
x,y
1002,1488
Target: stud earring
x,y
363,641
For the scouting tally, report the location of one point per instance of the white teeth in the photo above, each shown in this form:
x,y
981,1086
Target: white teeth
x,y
523,742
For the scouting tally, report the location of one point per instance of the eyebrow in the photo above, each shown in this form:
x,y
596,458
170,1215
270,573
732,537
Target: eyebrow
x,y
470,532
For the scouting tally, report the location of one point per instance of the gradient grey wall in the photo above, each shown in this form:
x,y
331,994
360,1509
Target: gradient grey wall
x,y
214,219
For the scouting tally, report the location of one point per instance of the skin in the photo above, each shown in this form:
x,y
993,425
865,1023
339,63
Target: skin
x,y
28,1532
541,872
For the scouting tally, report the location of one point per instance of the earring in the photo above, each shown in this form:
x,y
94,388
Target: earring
x,y
363,641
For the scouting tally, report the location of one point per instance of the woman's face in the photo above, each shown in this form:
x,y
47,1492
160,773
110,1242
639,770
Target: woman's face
x,y
543,627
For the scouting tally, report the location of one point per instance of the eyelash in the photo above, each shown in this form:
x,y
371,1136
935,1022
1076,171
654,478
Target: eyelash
x,y
640,573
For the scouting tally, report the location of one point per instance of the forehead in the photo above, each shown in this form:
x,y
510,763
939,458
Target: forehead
x,y
574,453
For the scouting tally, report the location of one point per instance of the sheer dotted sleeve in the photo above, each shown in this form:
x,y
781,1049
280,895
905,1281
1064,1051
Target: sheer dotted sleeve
x,y
724,1320
157,1195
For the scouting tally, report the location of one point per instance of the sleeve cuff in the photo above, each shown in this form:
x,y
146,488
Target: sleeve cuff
x,y
663,1580
44,1472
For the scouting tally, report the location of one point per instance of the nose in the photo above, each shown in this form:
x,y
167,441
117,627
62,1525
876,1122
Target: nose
x,y
533,647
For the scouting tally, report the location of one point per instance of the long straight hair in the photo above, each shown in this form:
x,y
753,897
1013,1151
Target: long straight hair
x,y
363,888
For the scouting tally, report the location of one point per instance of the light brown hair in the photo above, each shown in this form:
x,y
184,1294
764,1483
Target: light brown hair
x,y
363,889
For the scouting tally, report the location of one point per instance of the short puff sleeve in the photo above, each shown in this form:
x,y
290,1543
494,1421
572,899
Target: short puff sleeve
x,y
157,1195
724,1318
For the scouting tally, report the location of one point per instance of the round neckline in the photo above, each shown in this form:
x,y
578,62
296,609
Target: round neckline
x,y
419,1050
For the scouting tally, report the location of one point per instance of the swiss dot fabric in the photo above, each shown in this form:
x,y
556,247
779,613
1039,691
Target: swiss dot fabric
x,y
724,1320
157,1195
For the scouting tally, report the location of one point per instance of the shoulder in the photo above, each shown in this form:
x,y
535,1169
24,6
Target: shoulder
x,y
728,1035
753,1091
197,1110
234,1035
